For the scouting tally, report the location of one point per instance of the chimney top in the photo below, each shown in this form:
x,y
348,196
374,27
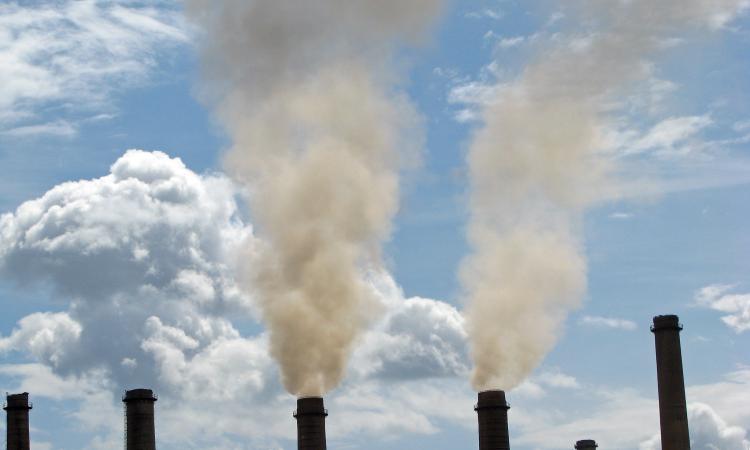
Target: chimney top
x,y
17,401
586,444
494,399
666,322
139,394
310,406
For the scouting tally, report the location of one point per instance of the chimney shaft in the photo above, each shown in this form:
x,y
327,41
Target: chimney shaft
x,y
492,413
17,407
586,444
311,423
139,419
672,404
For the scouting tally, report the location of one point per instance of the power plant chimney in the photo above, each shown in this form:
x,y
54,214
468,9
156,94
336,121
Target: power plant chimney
x,y
17,429
311,423
492,413
139,419
586,444
672,404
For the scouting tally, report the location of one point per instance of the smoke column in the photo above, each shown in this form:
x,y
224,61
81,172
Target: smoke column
x,y
537,163
320,131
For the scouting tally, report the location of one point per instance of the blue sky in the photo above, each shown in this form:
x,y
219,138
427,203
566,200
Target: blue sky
x,y
111,283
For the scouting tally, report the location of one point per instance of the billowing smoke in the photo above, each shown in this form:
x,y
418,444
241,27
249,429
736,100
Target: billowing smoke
x,y
535,165
307,93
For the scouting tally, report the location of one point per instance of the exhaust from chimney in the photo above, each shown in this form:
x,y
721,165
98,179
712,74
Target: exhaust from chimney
x,y
492,413
586,444
311,423
139,419
672,405
17,407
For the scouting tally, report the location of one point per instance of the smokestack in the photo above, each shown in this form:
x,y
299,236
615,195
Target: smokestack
x,y
586,444
139,419
311,423
17,429
492,413
672,404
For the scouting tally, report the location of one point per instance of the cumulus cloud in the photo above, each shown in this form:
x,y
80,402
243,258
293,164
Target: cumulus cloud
x,y
735,306
708,431
143,260
608,322
76,52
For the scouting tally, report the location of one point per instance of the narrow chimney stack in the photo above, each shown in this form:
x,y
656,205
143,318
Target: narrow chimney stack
x,y
311,423
139,419
17,407
672,404
492,413
586,444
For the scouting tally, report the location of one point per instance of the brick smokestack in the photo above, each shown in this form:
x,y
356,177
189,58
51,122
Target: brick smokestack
x,y
492,413
311,423
139,419
672,405
586,444
17,407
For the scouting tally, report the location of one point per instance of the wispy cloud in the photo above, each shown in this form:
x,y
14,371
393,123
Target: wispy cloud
x,y
736,306
608,322
620,215
77,53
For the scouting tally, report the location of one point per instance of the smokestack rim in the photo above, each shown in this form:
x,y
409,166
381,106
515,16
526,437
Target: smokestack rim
x,y
139,394
14,402
586,444
310,406
491,399
666,322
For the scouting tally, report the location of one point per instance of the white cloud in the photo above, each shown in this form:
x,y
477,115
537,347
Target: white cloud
x,y
608,322
76,53
47,336
708,431
736,306
486,13
145,257
671,135
510,42
620,215
60,128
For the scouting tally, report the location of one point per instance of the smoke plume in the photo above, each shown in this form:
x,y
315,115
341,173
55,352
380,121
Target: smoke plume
x,y
308,94
538,162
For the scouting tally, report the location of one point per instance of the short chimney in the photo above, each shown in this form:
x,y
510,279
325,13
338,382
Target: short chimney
x,y
586,444
139,419
492,413
672,406
17,407
311,423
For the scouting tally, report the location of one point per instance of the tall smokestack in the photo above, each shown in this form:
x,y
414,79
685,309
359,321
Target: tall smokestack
x,y
311,423
17,429
139,419
586,444
492,413
672,404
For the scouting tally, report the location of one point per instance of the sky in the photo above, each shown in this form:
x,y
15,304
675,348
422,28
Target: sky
x,y
125,230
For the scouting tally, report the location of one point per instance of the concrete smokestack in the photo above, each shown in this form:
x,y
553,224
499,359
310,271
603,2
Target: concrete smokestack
x,y
139,419
17,407
672,404
492,413
586,444
311,423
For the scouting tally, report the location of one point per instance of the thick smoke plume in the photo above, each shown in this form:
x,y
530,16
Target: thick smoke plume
x,y
538,162
319,134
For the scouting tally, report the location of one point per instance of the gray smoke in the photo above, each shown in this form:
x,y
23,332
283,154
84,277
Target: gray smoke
x,y
537,163
307,92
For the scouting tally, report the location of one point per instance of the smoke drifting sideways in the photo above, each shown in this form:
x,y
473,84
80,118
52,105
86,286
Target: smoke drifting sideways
x,y
309,94
538,161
